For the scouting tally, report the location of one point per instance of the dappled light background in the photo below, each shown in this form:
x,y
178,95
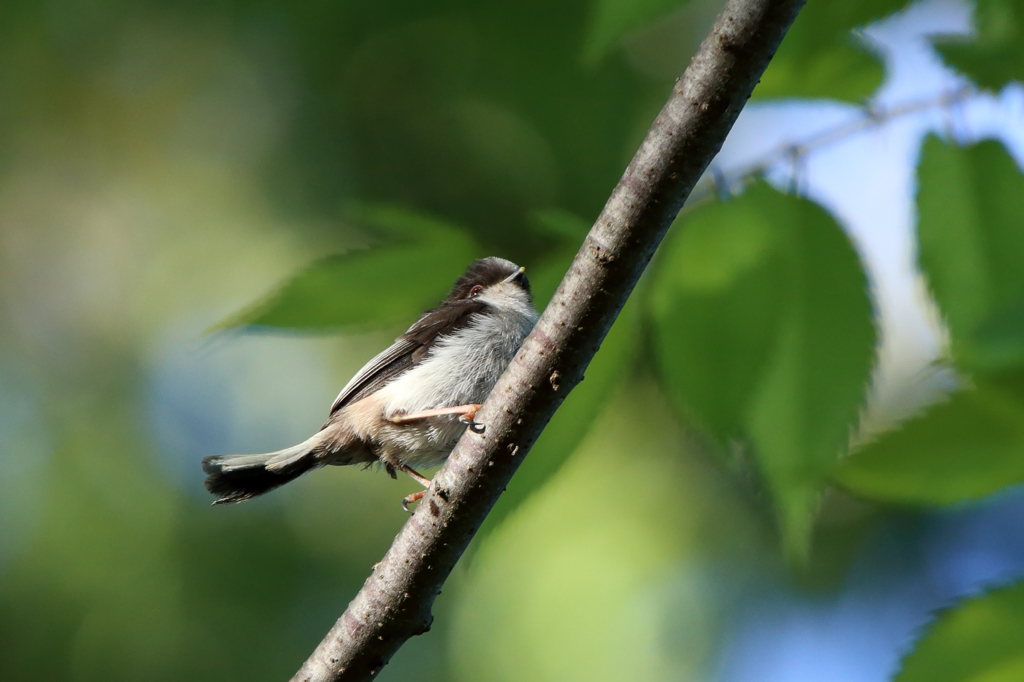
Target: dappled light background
x,y
165,167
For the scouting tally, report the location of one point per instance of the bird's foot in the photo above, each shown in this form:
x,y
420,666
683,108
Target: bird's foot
x,y
409,499
416,476
466,414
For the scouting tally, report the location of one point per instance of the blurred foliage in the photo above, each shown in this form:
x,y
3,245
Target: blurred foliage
x,y
599,536
162,162
763,328
821,57
981,639
971,235
400,280
996,55
960,450
611,20
971,232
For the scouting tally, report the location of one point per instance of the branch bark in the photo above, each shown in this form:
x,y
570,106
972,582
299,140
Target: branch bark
x,y
395,602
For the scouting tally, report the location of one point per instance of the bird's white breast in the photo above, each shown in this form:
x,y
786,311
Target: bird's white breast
x,y
460,369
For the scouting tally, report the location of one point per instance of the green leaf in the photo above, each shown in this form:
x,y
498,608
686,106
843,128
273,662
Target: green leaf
x,y
998,342
810,397
979,640
821,57
613,19
386,285
996,55
763,330
715,305
843,71
971,235
962,449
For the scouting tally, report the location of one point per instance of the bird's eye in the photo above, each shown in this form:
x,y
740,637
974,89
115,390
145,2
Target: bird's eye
x,y
475,291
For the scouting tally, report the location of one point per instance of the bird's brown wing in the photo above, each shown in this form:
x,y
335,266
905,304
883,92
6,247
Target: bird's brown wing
x,y
408,350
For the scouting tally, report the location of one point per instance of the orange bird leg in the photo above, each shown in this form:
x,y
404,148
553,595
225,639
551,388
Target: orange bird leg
x,y
415,475
419,478
466,414
409,499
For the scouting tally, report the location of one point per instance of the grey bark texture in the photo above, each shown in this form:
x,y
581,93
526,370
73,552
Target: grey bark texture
x,y
395,602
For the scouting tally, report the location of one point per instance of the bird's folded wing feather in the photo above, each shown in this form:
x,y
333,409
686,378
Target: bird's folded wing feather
x,y
407,351
382,368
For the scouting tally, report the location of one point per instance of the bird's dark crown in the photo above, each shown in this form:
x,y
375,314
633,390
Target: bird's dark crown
x,y
486,272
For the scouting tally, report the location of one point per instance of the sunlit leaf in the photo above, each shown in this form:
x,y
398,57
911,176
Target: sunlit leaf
x,y
844,71
763,331
995,55
821,57
385,285
962,449
998,341
814,387
716,299
613,19
979,640
971,234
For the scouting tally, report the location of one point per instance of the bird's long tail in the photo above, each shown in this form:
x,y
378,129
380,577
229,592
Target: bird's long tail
x,y
236,478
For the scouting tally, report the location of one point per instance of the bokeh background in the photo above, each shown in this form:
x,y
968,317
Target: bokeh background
x,y
166,168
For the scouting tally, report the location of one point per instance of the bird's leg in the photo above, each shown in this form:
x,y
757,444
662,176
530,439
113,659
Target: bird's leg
x,y
415,475
409,499
419,478
466,414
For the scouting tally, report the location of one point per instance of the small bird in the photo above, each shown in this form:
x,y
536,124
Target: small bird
x,y
408,406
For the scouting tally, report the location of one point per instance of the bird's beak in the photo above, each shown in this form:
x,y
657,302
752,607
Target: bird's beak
x,y
515,274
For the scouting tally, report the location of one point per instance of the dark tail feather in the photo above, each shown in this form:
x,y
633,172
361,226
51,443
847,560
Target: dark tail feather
x,y
236,478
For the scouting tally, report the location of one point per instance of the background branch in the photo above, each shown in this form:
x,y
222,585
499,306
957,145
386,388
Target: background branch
x,y
720,182
395,602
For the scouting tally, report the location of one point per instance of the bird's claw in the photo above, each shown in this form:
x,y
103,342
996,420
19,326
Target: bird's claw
x,y
469,418
409,499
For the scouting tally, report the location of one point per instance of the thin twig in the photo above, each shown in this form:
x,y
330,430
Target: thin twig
x,y
722,183
394,603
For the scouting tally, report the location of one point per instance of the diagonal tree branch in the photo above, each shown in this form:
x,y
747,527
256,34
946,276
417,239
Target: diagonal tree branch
x,y
395,602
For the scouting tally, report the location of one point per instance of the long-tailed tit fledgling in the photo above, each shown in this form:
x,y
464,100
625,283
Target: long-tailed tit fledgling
x,y
408,406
